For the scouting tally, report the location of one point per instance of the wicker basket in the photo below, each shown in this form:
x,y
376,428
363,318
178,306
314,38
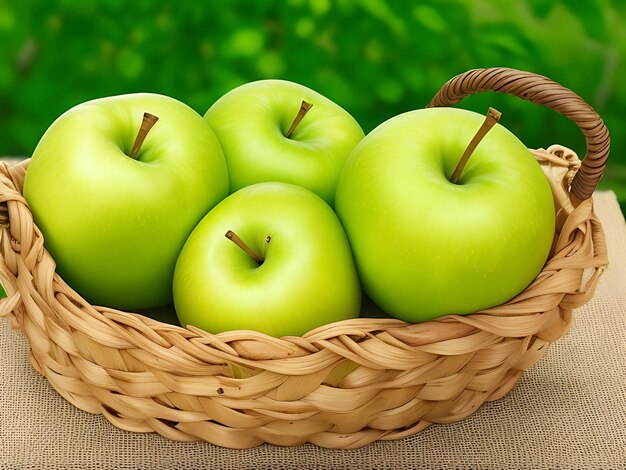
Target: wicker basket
x,y
342,385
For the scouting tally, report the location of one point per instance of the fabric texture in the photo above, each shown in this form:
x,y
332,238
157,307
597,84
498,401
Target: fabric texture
x,y
568,411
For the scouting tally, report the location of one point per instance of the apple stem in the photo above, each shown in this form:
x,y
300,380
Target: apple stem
x,y
149,120
232,236
304,108
493,116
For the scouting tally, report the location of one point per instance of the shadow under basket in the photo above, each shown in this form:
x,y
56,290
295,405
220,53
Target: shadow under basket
x,y
342,385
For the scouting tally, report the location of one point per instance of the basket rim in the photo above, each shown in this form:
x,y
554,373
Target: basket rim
x,y
360,327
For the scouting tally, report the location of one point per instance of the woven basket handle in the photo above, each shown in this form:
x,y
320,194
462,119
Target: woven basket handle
x,y
541,90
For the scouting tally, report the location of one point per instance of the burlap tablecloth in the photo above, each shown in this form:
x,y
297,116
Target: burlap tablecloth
x,y
568,411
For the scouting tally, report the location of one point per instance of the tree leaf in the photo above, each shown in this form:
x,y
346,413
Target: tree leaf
x,y
590,13
541,8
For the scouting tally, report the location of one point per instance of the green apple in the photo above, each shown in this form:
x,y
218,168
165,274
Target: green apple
x,y
426,247
115,224
253,122
290,269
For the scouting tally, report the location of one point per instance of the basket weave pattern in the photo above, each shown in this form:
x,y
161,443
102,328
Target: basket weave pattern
x,y
342,385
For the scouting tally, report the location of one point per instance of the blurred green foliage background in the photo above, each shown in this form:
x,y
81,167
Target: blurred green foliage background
x,y
374,58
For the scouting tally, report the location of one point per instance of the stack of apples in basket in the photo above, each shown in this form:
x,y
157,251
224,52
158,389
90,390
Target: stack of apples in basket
x,y
275,213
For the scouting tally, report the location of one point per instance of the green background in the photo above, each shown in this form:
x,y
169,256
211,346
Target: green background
x,y
374,58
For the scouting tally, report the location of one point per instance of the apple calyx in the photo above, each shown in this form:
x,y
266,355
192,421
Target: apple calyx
x,y
304,108
233,237
493,116
149,120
